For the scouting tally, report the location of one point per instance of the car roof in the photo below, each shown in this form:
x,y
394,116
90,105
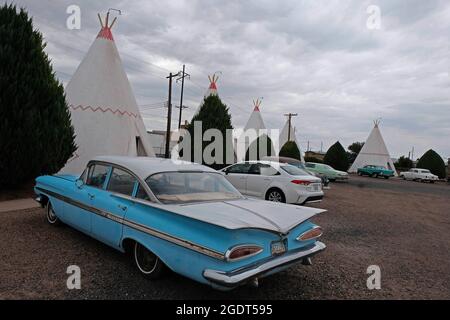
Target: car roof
x,y
263,162
280,159
146,166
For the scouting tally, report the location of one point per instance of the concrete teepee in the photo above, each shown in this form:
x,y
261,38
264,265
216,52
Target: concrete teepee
x,y
103,108
374,152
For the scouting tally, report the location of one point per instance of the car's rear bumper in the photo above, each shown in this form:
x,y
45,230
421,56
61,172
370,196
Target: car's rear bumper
x,y
235,278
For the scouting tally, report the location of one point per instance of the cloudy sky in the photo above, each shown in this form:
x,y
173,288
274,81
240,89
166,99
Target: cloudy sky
x,y
332,62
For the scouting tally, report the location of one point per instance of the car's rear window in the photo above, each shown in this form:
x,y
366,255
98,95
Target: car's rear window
x,y
294,171
185,187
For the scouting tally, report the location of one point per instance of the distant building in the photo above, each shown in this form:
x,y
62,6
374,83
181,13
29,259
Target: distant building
x,y
319,155
158,140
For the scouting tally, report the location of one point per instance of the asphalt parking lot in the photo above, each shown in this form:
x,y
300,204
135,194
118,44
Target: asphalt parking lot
x,y
401,226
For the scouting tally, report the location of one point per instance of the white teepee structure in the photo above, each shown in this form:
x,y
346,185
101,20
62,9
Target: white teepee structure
x,y
212,90
254,129
285,132
374,152
102,105
255,121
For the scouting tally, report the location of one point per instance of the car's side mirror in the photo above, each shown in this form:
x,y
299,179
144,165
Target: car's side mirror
x,y
226,172
79,183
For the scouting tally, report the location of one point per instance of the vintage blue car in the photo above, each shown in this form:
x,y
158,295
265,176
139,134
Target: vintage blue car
x,y
183,216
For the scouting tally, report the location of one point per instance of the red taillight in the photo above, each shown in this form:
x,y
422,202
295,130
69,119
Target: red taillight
x,y
303,182
313,233
243,251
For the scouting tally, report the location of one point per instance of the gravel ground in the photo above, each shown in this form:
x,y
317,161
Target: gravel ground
x,y
400,226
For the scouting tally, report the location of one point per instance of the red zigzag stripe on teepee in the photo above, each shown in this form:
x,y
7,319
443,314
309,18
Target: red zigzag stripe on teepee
x,y
117,111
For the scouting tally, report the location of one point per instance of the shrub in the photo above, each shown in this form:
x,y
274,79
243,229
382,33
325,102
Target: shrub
x,y
336,157
35,128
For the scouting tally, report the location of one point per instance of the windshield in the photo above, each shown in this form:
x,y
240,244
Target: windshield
x,y
294,171
184,187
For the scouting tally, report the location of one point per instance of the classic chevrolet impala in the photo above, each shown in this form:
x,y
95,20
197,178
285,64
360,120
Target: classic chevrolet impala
x,y
183,216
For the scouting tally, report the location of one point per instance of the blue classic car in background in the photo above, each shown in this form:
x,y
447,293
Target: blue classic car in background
x,y
182,215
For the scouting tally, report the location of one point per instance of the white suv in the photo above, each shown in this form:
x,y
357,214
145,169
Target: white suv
x,y
274,181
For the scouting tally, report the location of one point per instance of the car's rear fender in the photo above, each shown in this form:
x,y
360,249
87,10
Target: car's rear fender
x,y
193,245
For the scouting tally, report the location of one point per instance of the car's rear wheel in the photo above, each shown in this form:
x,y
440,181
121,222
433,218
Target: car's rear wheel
x,y
386,177
359,173
147,262
51,215
275,195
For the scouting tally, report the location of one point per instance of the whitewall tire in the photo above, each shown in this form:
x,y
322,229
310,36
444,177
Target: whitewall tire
x,y
149,265
51,215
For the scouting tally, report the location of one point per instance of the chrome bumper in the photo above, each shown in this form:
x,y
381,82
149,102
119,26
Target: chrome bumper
x,y
240,276
39,200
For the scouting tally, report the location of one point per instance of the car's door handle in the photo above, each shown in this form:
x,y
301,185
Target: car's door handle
x,y
242,178
267,179
91,196
122,207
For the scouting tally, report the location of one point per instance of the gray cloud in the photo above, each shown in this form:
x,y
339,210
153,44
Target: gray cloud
x,y
316,58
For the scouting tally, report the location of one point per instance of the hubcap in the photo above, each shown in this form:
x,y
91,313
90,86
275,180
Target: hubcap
x,y
145,260
51,214
275,196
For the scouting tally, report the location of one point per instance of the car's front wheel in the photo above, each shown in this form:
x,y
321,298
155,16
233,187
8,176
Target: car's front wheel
x,y
275,195
50,214
147,262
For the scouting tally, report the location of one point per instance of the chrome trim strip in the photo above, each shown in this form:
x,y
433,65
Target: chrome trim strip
x,y
240,276
153,232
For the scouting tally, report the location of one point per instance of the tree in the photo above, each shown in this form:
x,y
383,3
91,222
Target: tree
x,y
356,147
213,114
290,150
257,149
337,157
403,163
433,162
313,159
35,127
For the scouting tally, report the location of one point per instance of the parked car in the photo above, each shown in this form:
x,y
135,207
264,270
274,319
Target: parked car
x,y
299,164
274,181
185,216
327,171
417,174
375,171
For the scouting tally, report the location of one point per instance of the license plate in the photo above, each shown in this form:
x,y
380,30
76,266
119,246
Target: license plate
x,y
278,248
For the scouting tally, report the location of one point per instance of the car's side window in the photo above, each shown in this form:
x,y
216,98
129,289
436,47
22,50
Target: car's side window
x,y
121,182
239,168
141,193
268,170
255,169
310,165
97,175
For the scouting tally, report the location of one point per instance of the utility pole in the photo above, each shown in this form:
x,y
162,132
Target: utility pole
x,y
169,114
307,148
183,75
290,115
